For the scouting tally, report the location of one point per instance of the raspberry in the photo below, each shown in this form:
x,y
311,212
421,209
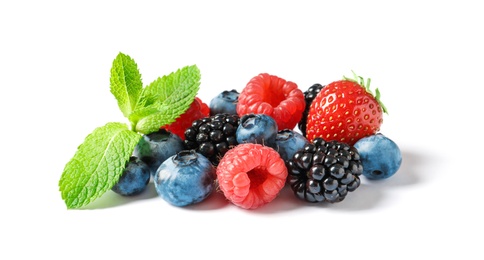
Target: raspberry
x,y
309,96
273,96
197,110
324,171
251,175
213,136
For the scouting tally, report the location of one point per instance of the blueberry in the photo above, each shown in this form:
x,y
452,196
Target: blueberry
x,y
380,156
134,179
224,103
185,178
257,128
155,148
288,142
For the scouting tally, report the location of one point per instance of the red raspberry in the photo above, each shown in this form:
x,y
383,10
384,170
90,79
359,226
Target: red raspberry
x,y
251,175
273,96
197,110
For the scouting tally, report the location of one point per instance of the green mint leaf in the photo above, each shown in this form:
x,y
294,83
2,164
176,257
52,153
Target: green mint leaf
x,y
165,99
126,84
140,113
97,164
167,114
164,89
152,94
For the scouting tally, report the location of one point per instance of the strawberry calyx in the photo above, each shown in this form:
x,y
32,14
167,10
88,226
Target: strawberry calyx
x,y
366,85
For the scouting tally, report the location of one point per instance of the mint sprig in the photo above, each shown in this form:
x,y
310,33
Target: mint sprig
x,y
101,159
165,99
97,164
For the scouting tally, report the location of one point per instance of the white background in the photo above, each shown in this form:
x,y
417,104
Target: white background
x,y
424,56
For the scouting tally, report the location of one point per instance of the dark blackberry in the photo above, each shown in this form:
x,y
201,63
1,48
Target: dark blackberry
x,y
309,96
324,171
213,136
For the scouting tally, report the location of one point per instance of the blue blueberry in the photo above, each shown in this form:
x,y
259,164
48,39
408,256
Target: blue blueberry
x,y
288,142
185,178
224,103
257,128
380,156
134,179
155,148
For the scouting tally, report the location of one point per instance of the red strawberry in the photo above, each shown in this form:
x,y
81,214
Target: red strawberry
x,y
251,175
275,97
197,110
345,111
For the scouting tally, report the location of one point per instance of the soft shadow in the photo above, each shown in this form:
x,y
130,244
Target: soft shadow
x,y
410,172
368,196
285,201
372,192
365,197
214,201
111,199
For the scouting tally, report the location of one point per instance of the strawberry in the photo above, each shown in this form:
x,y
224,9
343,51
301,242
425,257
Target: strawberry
x,y
345,111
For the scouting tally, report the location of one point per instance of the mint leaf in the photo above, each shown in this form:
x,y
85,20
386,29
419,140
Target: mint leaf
x,y
97,164
165,99
137,115
166,115
166,89
126,84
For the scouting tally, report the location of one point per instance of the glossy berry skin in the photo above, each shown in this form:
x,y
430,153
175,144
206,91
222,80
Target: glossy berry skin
x,y
381,157
273,96
309,96
288,142
197,110
324,171
224,103
257,129
213,136
155,148
344,111
134,179
184,179
251,175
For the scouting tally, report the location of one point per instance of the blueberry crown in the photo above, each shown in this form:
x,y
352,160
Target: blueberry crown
x,y
185,157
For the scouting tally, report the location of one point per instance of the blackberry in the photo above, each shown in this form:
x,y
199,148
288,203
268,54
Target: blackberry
x,y
213,136
309,96
324,171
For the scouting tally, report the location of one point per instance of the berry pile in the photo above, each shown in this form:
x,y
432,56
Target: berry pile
x,y
250,144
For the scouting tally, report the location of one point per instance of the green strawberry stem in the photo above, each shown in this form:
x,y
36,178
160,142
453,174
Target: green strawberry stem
x,y
361,81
